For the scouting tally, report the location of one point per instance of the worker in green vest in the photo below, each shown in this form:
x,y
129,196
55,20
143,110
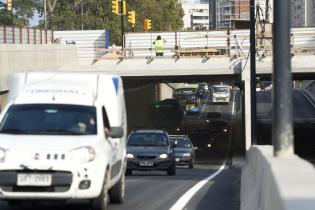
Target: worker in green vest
x,y
159,46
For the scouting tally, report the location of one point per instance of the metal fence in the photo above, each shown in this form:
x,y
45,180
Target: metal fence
x,y
17,35
187,43
228,42
90,43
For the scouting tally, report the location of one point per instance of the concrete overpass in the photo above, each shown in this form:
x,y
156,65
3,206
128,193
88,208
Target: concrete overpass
x,y
262,168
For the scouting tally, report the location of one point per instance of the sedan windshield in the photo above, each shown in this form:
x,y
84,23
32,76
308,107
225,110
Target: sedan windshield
x,y
49,119
148,139
181,143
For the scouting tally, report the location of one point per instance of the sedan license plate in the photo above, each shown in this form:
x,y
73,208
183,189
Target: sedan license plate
x,y
146,163
34,180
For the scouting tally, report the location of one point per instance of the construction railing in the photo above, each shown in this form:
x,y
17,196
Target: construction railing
x,y
17,35
231,43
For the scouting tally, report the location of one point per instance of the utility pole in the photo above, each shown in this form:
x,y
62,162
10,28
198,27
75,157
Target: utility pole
x,y
282,130
82,3
122,21
45,14
253,71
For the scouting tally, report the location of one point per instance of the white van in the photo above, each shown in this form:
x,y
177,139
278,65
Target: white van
x,y
221,93
62,137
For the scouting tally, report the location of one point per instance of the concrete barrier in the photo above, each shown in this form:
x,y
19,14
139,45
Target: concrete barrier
x,y
24,57
270,183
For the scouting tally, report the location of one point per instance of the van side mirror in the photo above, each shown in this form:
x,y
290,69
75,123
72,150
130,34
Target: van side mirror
x,y
116,132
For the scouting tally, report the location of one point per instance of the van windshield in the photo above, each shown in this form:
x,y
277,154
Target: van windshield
x,y
49,119
220,89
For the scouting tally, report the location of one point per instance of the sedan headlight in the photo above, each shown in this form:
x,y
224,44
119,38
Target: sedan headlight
x,y
83,154
186,154
163,156
130,156
2,154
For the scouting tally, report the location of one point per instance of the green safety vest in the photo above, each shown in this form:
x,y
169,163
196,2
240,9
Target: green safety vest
x,y
159,46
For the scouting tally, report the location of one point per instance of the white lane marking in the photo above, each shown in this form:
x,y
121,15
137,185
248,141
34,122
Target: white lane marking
x,y
204,106
181,203
184,199
233,103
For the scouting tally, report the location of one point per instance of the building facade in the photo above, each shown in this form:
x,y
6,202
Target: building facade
x,y
196,14
229,11
302,13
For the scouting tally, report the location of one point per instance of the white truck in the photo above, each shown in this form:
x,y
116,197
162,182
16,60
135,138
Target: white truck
x,y
63,137
221,93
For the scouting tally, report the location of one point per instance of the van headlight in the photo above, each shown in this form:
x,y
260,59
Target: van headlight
x,y
83,154
163,156
2,155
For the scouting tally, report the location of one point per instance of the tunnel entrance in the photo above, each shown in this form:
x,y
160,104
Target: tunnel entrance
x,y
187,107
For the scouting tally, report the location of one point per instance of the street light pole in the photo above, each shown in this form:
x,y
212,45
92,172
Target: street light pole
x,y
282,130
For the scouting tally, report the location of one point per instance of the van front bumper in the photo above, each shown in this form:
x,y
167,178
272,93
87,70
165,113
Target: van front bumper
x,y
79,181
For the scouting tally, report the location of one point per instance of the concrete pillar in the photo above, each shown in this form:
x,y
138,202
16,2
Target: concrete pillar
x,y
309,13
246,79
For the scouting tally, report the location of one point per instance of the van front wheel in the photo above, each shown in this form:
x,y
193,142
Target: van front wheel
x,y
117,192
100,203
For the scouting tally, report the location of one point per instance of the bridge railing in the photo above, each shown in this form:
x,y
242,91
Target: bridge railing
x,y
18,35
231,43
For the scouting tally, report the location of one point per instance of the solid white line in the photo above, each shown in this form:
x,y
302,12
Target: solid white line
x,y
181,203
233,105
204,106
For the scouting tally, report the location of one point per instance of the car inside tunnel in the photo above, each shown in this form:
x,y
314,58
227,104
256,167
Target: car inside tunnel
x,y
187,107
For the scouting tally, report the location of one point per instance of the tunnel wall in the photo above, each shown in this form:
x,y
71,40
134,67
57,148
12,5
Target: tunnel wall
x,y
3,98
165,91
138,103
269,183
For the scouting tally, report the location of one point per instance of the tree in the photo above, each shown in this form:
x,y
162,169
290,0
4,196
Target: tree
x,y
16,19
24,11
166,15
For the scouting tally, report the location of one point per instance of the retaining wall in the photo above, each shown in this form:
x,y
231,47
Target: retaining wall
x,y
270,183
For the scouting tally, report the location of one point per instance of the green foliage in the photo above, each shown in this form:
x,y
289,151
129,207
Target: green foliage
x,y
166,15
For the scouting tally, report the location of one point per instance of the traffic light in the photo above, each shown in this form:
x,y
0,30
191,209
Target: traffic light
x,y
9,5
132,18
124,8
115,8
147,24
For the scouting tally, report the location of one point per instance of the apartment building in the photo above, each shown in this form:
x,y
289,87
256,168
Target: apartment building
x,y
302,13
196,14
229,13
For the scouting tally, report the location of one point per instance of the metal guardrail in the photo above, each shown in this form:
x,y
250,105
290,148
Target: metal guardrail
x,y
18,35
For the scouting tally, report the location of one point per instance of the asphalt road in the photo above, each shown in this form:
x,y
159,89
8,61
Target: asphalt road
x,y
156,191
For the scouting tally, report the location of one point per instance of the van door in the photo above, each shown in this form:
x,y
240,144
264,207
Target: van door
x,y
116,160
